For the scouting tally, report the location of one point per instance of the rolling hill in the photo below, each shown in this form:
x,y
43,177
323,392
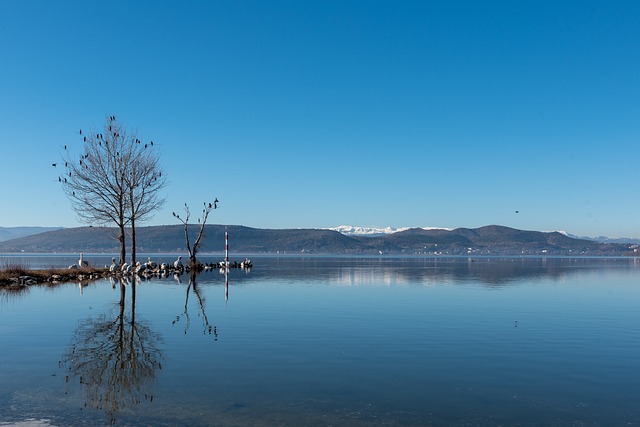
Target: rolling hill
x,y
488,240
8,233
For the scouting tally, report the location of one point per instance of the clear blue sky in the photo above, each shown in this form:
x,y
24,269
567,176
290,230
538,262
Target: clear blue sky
x,y
322,113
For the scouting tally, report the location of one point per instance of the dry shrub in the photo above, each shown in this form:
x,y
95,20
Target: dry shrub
x,y
9,271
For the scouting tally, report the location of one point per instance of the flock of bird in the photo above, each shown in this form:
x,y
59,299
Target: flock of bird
x,y
100,138
148,267
151,268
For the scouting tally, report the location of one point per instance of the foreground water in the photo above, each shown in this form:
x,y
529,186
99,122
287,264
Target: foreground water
x,y
331,341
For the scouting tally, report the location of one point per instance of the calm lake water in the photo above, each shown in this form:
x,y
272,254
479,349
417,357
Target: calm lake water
x,y
321,341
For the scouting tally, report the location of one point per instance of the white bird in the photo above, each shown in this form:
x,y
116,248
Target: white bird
x,y
113,265
82,262
126,268
150,264
178,263
140,267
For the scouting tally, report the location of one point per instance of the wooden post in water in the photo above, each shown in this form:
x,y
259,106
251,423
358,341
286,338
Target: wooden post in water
x,y
226,248
226,285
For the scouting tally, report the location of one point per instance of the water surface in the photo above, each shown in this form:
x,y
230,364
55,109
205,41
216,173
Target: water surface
x,y
331,341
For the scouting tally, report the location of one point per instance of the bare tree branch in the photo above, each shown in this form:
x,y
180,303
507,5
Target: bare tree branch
x,y
116,179
193,250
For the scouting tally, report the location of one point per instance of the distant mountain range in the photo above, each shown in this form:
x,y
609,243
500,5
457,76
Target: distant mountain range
x,y
489,240
605,239
8,233
350,230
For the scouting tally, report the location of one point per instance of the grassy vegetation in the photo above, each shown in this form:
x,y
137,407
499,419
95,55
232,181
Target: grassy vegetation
x,y
19,275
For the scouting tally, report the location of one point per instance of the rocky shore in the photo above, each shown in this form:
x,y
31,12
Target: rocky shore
x,y
14,277
17,277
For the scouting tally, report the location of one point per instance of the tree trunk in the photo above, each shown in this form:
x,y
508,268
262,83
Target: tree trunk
x,y
192,255
133,241
123,247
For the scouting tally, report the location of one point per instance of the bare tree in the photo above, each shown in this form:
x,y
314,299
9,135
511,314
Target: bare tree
x,y
193,250
143,183
94,182
114,180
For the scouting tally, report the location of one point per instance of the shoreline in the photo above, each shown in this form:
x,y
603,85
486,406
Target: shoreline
x,y
13,277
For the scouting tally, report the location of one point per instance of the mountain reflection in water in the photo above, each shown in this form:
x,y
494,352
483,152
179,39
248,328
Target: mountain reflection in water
x,y
317,340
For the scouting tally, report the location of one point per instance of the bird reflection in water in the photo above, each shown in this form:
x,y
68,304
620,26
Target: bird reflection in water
x,y
114,358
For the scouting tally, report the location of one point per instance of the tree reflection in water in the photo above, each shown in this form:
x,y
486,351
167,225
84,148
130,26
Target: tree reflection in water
x,y
206,325
115,360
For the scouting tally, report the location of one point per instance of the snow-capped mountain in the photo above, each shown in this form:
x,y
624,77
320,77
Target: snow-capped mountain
x,y
350,230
